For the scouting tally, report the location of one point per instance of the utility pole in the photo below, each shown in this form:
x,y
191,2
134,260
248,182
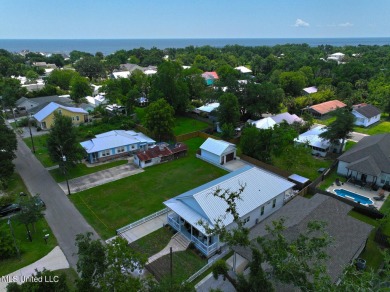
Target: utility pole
x,y
13,236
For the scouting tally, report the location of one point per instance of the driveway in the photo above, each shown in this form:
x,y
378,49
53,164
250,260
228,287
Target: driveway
x,y
356,137
63,218
100,177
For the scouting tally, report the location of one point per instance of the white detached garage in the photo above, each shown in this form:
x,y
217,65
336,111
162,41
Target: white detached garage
x,y
218,151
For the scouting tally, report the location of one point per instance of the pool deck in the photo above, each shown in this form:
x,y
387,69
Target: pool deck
x,y
361,191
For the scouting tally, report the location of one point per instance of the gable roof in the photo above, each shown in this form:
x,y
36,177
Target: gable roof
x,y
216,146
312,137
375,148
113,139
265,123
243,69
328,106
51,107
210,75
366,110
289,118
161,151
311,89
261,187
349,235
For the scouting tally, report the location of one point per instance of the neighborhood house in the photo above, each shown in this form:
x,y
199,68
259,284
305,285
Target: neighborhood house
x,y
269,122
160,153
45,117
366,114
217,151
322,109
263,193
114,144
318,145
368,161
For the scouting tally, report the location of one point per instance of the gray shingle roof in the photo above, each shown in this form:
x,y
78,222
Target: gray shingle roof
x,y
349,235
377,147
369,111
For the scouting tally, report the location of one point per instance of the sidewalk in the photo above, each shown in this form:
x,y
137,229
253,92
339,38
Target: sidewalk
x,y
54,260
100,178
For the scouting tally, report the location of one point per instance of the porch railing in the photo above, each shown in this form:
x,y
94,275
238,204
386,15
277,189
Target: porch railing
x,y
204,248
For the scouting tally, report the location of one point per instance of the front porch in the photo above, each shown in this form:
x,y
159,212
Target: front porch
x,y
207,244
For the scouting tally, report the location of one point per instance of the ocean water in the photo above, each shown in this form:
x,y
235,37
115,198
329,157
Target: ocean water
x,y
108,46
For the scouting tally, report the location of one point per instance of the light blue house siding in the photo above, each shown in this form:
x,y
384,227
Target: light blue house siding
x,y
210,156
264,194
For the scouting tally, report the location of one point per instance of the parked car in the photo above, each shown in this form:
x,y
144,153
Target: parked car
x,y
8,209
39,202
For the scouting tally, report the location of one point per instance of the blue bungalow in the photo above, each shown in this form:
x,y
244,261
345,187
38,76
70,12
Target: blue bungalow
x,y
263,194
114,144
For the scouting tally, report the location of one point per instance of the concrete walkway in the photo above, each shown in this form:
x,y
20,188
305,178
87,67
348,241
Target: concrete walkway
x,y
176,245
145,228
100,178
54,260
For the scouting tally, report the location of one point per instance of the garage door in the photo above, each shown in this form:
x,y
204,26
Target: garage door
x,y
230,157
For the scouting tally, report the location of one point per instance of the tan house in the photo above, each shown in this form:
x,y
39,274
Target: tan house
x,y
45,117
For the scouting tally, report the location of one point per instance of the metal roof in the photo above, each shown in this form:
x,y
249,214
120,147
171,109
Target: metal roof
x,y
216,146
260,187
113,139
208,108
265,123
51,107
312,137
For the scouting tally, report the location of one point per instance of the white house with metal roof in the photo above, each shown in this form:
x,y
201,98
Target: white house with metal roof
x,y
263,194
114,144
217,151
318,145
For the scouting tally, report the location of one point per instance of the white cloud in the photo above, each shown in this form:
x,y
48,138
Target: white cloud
x,y
346,24
300,22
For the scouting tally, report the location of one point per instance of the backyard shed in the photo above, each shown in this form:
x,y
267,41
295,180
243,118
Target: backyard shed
x,y
217,151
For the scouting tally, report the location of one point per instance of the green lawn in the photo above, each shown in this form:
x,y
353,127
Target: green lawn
x,y
378,128
116,204
184,125
327,182
185,264
30,251
81,169
326,121
307,166
15,185
349,145
41,152
153,242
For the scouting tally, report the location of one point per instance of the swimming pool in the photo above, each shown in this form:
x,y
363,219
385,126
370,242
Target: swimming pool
x,y
357,198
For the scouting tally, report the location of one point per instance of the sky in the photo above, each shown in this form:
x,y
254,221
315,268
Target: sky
x,y
143,19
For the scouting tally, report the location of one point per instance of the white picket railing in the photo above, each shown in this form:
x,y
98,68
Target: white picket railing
x,y
141,221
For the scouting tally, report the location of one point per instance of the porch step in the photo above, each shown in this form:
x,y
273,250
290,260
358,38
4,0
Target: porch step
x,y
181,240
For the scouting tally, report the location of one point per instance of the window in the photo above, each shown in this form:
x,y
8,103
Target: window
x,y
132,146
106,152
262,211
274,203
148,161
60,112
72,118
77,118
120,149
246,220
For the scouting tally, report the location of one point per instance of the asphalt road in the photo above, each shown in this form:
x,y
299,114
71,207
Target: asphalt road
x,y
63,218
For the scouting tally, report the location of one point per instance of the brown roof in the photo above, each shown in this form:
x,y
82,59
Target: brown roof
x,y
328,106
161,151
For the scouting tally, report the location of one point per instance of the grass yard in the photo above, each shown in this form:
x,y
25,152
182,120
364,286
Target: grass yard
x,y
327,182
153,242
116,204
185,264
41,152
15,185
30,251
81,169
307,166
326,121
383,126
184,125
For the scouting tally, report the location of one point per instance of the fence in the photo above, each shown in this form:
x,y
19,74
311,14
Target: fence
x,y
141,221
207,266
281,172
